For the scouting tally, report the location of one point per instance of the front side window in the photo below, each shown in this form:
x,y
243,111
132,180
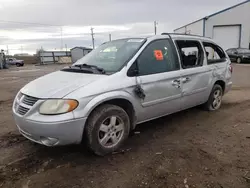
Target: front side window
x,y
214,53
158,57
112,56
191,53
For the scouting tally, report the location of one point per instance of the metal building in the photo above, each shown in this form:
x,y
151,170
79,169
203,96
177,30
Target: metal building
x,y
230,27
79,52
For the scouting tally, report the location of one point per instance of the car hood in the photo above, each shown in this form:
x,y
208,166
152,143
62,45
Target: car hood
x,y
58,84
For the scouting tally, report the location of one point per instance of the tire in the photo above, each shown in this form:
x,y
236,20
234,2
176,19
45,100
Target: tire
x,y
238,60
18,65
213,102
107,128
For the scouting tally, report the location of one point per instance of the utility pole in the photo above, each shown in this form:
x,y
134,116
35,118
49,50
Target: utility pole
x,y
66,47
61,38
41,55
93,39
7,50
155,26
110,37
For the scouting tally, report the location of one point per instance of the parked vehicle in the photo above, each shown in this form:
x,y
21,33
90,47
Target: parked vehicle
x,y
102,97
14,61
239,55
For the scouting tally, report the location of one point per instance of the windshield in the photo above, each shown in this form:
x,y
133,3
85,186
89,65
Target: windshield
x,y
111,56
244,50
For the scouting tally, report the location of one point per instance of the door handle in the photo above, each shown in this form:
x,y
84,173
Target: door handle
x,y
176,83
185,80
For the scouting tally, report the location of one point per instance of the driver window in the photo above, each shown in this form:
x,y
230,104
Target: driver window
x,y
158,57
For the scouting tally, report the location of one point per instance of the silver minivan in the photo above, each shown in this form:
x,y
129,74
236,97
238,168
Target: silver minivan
x,y
102,97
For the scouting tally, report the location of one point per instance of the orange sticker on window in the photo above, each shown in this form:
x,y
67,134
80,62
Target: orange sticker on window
x,y
158,55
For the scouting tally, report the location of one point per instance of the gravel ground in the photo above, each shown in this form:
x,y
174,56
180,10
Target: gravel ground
x,y
189,149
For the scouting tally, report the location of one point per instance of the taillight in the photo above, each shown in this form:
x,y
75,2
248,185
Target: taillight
x,y
231,68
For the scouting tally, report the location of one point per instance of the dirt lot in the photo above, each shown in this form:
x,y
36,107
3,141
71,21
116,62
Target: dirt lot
x,y
189,149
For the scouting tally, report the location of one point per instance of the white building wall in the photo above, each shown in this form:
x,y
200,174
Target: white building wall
x,y
195,28
234,16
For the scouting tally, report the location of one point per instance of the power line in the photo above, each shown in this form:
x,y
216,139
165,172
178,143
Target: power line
x,y
29,23
40,24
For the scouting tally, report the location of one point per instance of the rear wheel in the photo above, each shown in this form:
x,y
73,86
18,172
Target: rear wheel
x,y
18,65
238,60
215,98
107,129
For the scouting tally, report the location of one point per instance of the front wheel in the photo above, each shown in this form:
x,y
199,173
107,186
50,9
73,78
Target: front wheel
x,y
215,99
107,129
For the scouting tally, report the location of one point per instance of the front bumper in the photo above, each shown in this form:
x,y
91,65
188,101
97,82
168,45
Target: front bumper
x,y
51,133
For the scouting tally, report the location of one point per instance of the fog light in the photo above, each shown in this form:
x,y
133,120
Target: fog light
x,y
47,141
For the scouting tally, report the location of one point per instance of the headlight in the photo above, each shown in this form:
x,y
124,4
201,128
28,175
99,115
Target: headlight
x,y
57,106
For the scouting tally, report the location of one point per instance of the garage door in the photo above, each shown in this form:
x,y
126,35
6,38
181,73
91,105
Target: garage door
x,y
227,36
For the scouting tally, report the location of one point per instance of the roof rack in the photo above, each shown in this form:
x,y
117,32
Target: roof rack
x,y
183,34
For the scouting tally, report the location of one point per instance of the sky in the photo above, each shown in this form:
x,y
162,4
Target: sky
x,y
28,25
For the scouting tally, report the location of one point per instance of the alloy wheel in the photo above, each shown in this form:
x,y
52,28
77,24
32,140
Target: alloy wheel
x,y
217,99
111,131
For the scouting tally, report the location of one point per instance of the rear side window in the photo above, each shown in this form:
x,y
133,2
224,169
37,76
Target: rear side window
x,y
214,53
191,53
158,57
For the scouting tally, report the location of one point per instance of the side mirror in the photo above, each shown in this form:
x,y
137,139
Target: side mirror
x,y
133,70
235,52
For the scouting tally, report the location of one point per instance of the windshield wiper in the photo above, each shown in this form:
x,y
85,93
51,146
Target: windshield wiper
x,y
99,69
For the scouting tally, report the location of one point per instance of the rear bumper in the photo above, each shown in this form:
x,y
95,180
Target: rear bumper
x,y
228,87
51,134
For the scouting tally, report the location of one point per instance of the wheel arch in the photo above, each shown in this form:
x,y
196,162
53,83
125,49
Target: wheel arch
x,y
123,100
222,84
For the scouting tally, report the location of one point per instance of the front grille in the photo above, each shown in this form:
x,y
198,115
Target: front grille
x,y
24,103
22,110
28,100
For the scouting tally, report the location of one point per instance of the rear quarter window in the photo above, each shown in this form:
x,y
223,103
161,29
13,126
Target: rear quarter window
x,y
214,53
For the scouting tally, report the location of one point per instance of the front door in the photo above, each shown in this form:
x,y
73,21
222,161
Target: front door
x,y
159,77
